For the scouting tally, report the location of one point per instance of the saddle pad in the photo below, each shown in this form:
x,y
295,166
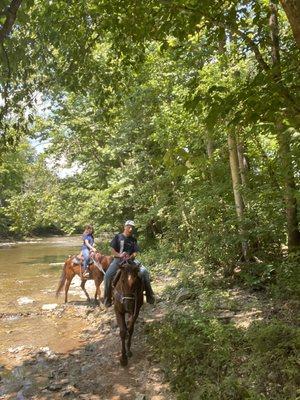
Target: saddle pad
x,y
77,260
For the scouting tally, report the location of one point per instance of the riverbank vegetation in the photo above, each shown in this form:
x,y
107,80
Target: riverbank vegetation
x,y
184,117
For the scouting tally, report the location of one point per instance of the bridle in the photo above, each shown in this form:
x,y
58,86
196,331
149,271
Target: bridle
x,y
125,298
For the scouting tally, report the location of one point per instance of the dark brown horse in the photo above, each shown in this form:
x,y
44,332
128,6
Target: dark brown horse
x,y
72,267
128,299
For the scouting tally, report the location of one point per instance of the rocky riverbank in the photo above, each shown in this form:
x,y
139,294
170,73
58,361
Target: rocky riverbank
x,y
91,370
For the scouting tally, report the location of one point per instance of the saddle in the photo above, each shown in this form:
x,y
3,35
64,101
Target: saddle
x,y
78,260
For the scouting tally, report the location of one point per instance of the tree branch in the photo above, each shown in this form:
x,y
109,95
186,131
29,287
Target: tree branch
x,y
252,46
10,19
231,27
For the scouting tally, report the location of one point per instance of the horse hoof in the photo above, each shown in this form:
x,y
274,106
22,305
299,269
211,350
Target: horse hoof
x,y
129,353
123,361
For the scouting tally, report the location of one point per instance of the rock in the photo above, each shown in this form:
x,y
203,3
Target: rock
x,y
155,369
75,353
226,316
49,307
54,387
140,396
20,396
25,300
48,352
184,294
70,389
16,349
64,381
86,368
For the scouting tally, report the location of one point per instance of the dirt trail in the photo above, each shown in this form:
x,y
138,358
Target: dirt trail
x,y
92,370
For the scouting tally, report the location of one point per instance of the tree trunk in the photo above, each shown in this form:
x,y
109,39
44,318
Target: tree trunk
x,y
289,189
243,163
222,41
284,143
210,151
292,10
236,184
11,15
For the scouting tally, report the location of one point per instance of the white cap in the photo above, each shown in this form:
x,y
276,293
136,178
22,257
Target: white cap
x,y
129,222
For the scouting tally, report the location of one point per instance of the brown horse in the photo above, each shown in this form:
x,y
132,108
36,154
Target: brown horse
x,y
128,299
100,264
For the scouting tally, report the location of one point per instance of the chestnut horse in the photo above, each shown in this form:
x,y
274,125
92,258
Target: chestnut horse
x,y
128,299
100,264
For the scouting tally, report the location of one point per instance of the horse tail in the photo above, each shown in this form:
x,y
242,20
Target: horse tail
x,y
62,279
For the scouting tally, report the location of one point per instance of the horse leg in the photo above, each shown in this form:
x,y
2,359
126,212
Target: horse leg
x,y
83,288
130,327
100,281
98,290
122,326
67,286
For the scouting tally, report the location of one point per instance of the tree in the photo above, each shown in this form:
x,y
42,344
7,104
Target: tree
x,y
292,10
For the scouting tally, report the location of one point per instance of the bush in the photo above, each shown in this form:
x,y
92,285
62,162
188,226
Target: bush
x,y
205,359
287,284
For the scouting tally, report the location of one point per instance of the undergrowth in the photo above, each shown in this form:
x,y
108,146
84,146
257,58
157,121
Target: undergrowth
x,y
207,359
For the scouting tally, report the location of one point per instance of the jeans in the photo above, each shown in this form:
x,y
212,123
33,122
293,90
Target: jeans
x,y
86,258
111,272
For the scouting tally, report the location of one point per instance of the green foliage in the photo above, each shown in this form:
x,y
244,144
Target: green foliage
x,y
143,98
287,283
204,358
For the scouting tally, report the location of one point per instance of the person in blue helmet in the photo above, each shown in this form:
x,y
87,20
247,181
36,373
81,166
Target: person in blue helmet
x,y
124,247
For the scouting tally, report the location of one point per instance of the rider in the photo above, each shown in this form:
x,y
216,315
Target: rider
x,y
87,247
124,247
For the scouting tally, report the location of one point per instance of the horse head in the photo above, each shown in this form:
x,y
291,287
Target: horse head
x,y
129,276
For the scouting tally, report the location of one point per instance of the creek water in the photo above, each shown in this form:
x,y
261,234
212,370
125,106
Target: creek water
x,y
29,276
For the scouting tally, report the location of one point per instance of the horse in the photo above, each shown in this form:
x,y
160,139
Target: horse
x,y
128,299
72,266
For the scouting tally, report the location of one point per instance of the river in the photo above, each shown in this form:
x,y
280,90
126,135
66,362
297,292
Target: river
x,y
29,275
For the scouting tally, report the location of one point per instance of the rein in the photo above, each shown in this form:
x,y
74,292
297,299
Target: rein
x,y
121,299
98,265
